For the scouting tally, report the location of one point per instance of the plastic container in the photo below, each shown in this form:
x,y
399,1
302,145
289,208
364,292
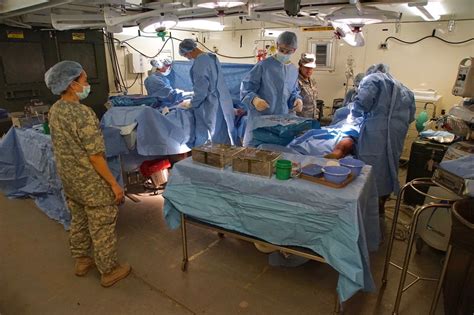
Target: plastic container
x,y
336,174
283,169
353,164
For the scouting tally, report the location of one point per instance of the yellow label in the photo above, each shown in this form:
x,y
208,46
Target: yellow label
x,y
15,34
317,29
78,36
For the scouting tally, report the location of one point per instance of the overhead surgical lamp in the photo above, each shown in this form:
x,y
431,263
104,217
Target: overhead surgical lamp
x,y
158,23
219,4
353,36
353,17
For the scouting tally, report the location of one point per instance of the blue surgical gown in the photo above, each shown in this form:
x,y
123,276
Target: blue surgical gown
x,y
382,134
274,82
212,102
159,86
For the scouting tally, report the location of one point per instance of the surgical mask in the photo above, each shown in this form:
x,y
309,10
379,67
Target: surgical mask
x,y
167,72
86,89
283,58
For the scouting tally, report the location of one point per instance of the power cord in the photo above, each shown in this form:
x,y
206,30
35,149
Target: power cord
x,y
433,35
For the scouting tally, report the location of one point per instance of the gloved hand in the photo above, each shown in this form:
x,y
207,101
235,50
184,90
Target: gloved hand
x,y
165,110
186,104
298,105
260,104
187,94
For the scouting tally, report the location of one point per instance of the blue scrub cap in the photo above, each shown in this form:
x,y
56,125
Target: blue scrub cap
x,y
288,38
358,78
380,67
186,46
59,76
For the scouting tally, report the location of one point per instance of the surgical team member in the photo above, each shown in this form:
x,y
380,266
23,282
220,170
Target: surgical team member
x,y
158,85
351,94
212,102
389,108
307,85
341,113
92,193
271,87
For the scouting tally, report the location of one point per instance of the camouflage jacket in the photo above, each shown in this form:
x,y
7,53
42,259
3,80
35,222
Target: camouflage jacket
x,y
309,93
76,135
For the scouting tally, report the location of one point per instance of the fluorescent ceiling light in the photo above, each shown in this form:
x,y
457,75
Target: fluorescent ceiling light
x,y
201,25
432,11
272,33
158,23
219,4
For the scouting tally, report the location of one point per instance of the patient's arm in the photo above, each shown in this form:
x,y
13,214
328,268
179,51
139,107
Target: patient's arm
x,y
342,148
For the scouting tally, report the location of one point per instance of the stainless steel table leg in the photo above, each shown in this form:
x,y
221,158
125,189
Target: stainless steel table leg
x,y
441,281
392,234
184,263
406,261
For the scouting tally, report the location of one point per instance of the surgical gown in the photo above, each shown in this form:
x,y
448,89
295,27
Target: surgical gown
x,y
212,102
274,82
388,108
159,86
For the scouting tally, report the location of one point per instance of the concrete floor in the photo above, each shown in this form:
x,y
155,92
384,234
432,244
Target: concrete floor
x,y
225,276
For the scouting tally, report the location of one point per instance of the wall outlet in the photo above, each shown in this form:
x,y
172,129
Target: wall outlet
x,y
383,46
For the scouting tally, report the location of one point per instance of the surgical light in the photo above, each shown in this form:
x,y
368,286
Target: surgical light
x,y
219,4
430,11
352,16
158,23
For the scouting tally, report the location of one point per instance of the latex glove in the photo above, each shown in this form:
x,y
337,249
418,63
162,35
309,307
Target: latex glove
x,y
165,110
187,94
260,104
186,104
298,105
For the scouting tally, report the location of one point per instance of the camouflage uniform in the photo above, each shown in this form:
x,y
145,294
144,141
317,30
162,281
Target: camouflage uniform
x,y
309,93
76,136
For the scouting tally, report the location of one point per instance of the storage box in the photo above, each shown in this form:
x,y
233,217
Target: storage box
x,y
256,162
216,155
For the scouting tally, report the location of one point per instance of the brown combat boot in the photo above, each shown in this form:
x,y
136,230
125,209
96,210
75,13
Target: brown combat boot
x,y
120,272
83,265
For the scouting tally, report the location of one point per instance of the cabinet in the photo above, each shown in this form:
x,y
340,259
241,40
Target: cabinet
x,y
421,152
412,133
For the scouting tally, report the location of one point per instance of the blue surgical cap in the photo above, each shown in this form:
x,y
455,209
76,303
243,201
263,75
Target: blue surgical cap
x,y
59,76
380,67
288,38
186,46
358,78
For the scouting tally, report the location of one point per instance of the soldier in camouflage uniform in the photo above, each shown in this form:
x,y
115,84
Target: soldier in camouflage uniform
x,y
92,193
308,88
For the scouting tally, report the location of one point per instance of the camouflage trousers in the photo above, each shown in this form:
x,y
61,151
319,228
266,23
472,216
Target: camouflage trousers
x,y
94,226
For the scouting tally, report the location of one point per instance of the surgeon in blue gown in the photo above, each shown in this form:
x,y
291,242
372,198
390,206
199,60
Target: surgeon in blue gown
x,y
158,85
271,87
388,108
212,102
